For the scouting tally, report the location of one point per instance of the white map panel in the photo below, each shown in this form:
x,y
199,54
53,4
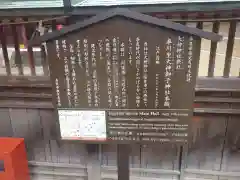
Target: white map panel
x,y
82,125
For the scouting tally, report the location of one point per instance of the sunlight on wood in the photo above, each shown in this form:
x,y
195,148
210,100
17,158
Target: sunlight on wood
x,y
205,52
221,52
203,63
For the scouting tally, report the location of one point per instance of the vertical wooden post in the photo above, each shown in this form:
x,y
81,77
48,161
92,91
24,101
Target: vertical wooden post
x,y
198,44
54,25
4,51
44,60
25,35
213,51
182,160
93,162
229,51
93,168
18,59
123,151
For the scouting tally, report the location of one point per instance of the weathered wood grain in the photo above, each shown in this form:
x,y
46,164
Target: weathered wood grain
x,y
214,146
64,156
162,157
231,155
36,129
5,123
78,154
48,122
205,151
165,157
109,155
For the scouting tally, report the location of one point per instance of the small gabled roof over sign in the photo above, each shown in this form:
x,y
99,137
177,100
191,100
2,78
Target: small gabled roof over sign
x,y
130,15
138,2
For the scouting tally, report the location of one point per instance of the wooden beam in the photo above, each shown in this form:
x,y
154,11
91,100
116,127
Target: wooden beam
x,y
229,51
213,51
4,51
18,58
27,35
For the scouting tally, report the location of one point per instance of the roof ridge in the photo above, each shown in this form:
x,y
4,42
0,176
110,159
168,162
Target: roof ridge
x,y
141,2
131,15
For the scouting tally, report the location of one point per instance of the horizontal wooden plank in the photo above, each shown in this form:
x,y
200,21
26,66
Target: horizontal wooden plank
x,y
213,173
31,12
216,111
26,104
217,100
25,95
203,83
217,84
25,81
46,95
35,93
61,170
60,173
48,105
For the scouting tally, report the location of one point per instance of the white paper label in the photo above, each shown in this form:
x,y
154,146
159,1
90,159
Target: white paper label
x,y
83,125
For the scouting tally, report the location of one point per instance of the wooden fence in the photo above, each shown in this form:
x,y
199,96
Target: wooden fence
x,y
26,111
216,60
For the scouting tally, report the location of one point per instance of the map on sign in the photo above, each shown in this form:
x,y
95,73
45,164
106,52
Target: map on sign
x,y
85,125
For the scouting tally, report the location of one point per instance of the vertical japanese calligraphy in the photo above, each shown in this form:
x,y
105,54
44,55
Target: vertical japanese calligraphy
x,y
73,64
58,93
66,71
57,49
115,70
87,70
138,78
190,57
100,45
156,103
95,77
109,71
180,53
168,74
145,74
79,56
129,78
157,78
157,55
56,80
130,53
123,76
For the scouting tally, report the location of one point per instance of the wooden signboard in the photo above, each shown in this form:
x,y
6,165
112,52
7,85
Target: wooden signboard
x,y
125,77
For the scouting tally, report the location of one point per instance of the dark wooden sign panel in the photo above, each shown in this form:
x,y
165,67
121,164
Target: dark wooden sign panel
x,y
142,77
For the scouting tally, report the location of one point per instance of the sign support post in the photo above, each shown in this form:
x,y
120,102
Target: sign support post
x,y
123,152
